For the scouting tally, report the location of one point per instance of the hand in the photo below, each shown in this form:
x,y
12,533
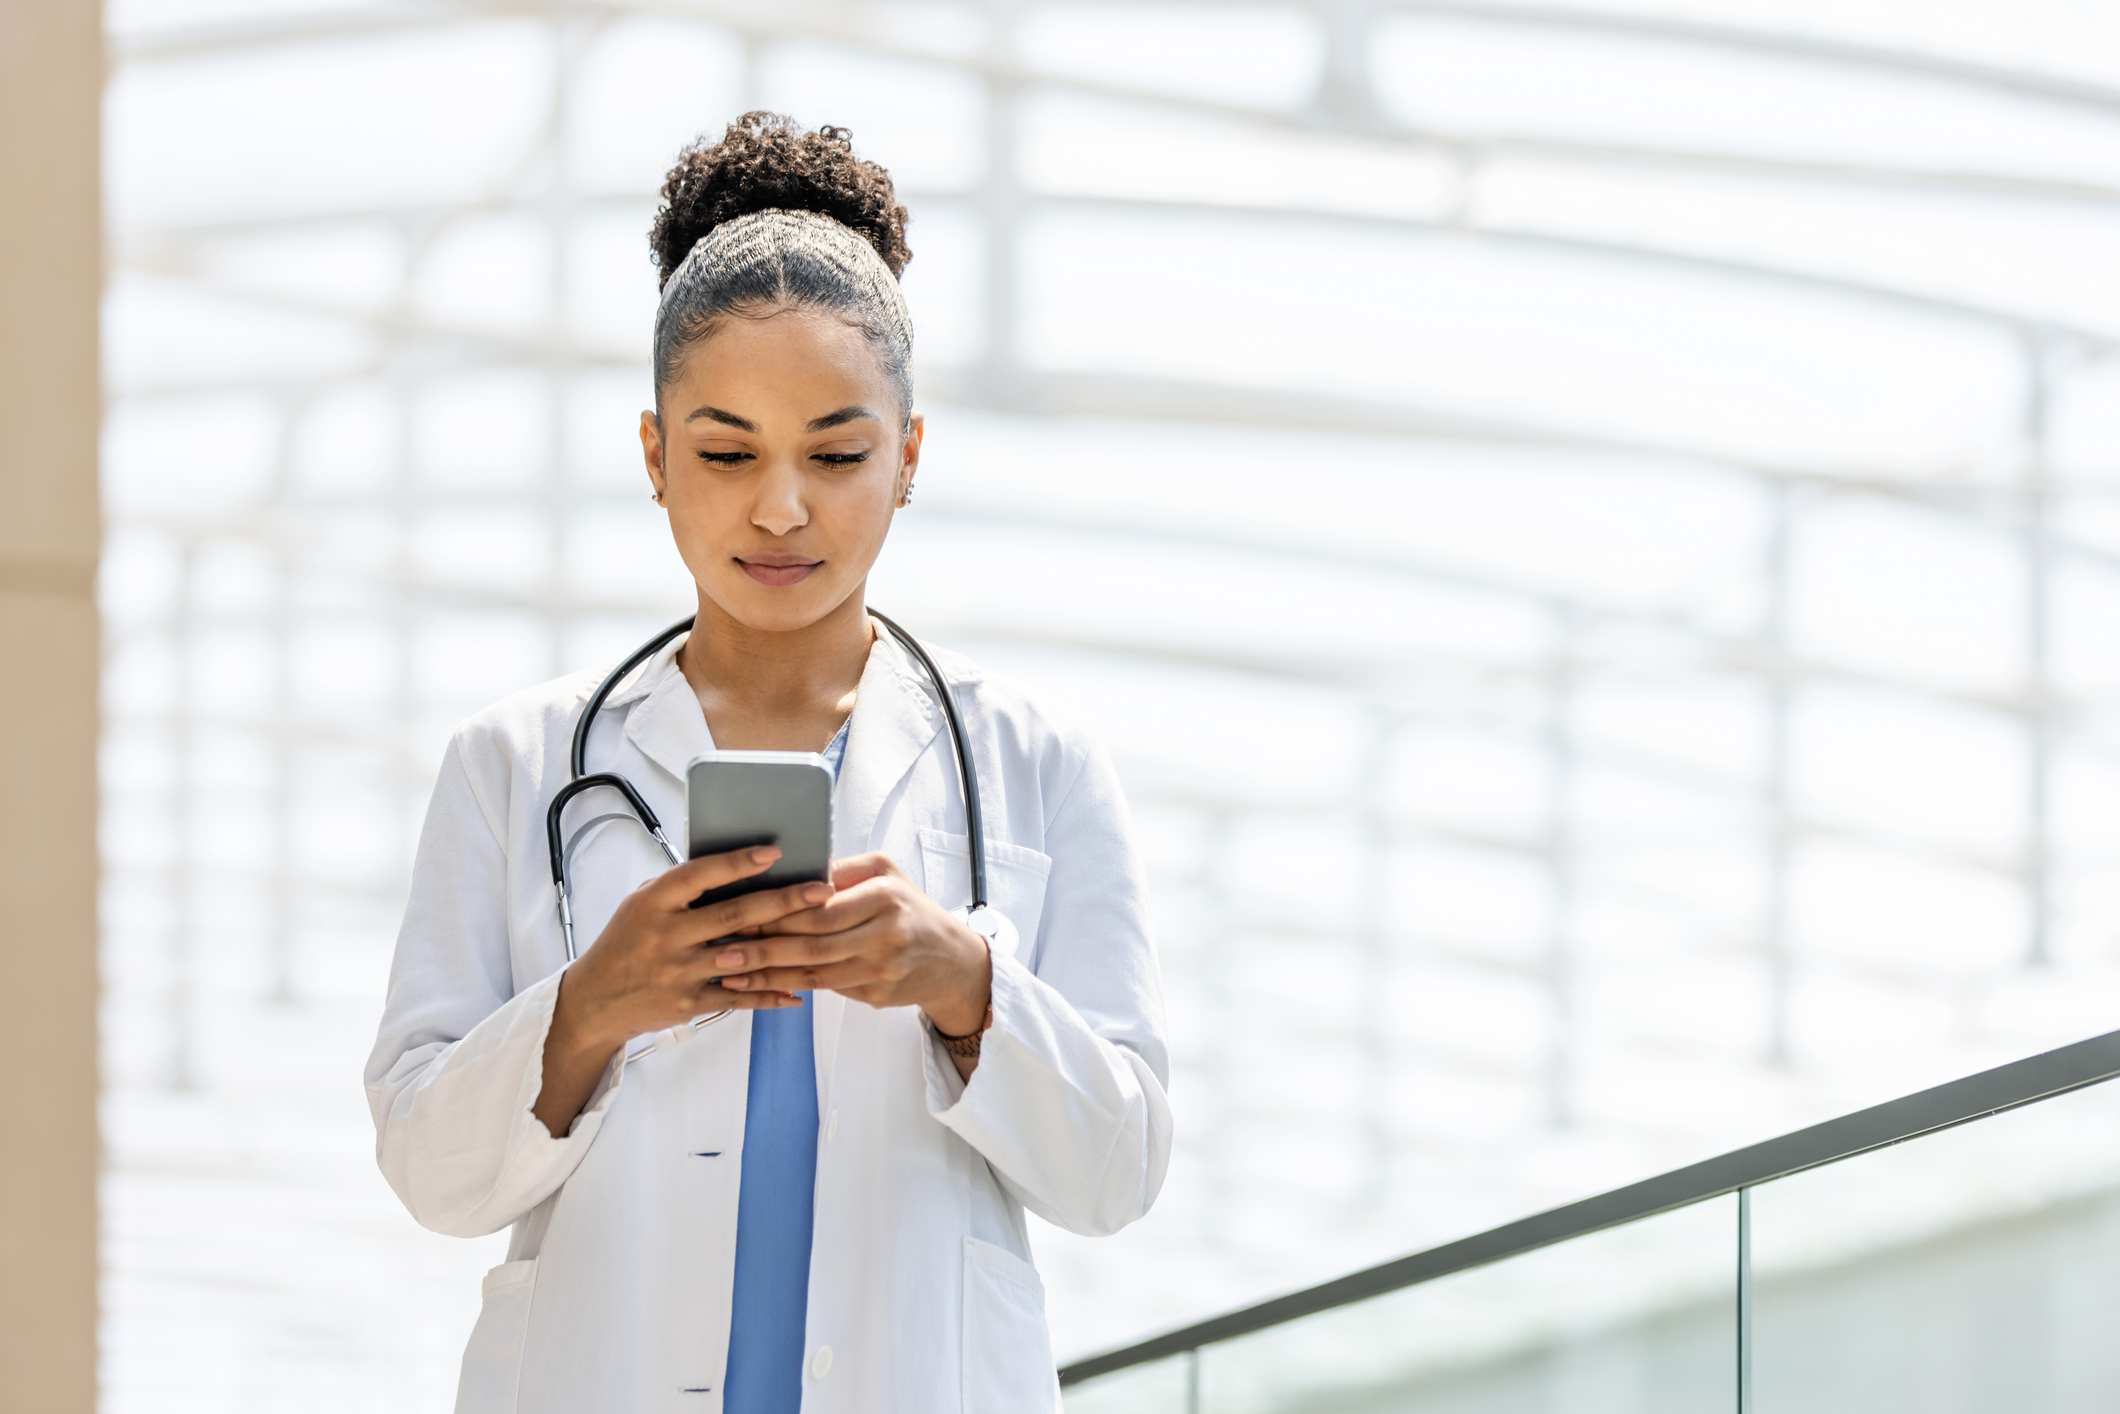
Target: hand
x,y
650,969
877,940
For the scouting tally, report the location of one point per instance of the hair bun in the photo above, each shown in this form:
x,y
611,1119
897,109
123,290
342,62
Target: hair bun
x,y
767,162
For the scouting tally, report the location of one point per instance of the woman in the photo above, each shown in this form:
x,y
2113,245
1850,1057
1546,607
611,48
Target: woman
x,y
816,1203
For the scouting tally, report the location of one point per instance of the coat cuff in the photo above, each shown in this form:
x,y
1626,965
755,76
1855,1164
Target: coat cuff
x,y
460,1143
535,1162
1020,1047
593,1110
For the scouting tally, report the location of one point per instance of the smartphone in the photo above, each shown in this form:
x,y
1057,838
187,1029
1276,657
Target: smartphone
x,y
739,799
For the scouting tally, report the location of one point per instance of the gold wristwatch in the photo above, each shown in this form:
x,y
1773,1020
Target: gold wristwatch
x,y
966,1047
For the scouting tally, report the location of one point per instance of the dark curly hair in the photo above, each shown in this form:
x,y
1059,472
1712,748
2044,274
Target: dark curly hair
x,y
767,162
775,217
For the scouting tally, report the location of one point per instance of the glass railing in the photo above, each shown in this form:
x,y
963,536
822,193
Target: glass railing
x,y
1956,1251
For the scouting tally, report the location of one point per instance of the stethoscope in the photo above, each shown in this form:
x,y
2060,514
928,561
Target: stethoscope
x,y
984,920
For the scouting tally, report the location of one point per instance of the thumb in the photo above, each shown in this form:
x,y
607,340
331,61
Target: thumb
x,y
848,872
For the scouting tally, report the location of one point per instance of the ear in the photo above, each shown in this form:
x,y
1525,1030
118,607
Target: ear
x,y
651,450
909,457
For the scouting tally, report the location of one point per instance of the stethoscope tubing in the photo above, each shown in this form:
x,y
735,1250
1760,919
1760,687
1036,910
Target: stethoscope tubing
x,y
580,780
967,774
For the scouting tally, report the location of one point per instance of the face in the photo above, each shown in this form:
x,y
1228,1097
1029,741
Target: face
x,y
780,462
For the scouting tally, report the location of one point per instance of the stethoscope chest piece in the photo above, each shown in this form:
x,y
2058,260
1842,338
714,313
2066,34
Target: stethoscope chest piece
x,y
993,925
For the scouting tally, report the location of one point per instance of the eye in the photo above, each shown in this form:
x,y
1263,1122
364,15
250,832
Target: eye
x,y
842,458
725,458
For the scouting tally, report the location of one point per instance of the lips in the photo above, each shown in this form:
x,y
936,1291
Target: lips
x,y
778,571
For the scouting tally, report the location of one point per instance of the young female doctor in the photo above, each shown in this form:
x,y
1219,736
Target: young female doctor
x,y
816,1202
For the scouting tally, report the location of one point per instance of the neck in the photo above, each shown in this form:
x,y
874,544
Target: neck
x,y
757,686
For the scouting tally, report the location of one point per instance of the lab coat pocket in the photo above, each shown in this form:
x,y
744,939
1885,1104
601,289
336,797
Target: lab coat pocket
x,y
493,1360
1015,879
1008,1356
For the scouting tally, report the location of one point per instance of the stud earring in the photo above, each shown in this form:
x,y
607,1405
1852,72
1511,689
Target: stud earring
x,y
905,497
656,497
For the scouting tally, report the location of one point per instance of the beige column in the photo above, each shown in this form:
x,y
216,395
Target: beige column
x,y
51,276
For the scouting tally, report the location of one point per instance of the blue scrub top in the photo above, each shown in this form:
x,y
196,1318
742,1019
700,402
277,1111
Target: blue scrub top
x,y
776,1204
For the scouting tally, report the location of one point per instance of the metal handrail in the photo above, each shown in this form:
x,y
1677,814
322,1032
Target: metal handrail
x,y
2006,1087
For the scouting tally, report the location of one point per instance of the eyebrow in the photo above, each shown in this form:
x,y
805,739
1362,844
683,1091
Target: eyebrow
x,y
717,415
840,418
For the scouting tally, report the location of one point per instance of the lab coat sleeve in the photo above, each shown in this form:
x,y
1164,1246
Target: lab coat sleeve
x,y
459,1059
1068,1102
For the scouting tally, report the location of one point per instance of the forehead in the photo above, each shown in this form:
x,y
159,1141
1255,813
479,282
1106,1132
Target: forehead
x,y
791,357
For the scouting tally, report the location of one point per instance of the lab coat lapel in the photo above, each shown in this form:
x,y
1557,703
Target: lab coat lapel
x,y
895,719
667,725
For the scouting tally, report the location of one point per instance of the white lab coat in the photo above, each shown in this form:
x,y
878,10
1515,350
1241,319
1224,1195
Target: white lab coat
x,y
922,1297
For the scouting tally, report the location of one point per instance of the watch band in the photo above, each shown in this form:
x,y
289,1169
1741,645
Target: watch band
x,y
967,1047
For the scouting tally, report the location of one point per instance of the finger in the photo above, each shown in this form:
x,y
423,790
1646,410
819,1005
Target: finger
x,y
733,915
749,955
849,908
712,999
875,865
679,885
827,977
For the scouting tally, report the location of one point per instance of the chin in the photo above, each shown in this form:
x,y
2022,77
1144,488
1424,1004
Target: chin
x,y
766,610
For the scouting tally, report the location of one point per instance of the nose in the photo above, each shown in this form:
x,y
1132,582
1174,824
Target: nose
x,y
779,508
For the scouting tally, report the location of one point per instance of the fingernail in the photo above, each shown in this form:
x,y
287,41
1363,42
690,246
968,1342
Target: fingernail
x,y
736,984
817,893
765,854
729,957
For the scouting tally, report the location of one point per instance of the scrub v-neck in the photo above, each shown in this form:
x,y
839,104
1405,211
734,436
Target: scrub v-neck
x,y
776,1203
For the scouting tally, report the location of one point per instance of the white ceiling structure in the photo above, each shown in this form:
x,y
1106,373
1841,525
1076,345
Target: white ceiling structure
x,y
1594,534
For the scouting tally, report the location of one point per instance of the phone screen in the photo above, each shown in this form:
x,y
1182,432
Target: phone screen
x,y
740,799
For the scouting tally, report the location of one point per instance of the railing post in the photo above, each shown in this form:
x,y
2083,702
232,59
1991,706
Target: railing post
x,y
1744,1301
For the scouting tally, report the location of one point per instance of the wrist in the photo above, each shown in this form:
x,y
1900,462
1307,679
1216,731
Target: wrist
x,y
574,1033
964,1011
